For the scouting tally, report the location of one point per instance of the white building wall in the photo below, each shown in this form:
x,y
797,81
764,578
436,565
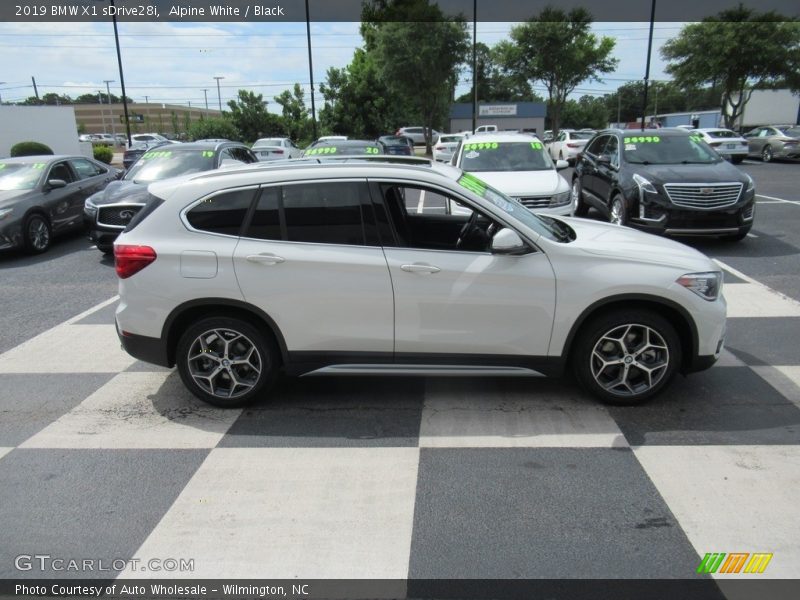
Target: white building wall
x,y
51,125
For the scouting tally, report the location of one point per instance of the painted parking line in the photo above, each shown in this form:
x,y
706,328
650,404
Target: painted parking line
x,y
777,200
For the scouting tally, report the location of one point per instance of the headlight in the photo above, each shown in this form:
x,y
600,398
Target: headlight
x,y
5,213
706,285
644,184
560,199
89,206
751,185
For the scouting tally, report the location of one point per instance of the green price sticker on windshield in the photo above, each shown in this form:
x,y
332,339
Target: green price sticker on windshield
x,y
642,139
482,146
371,151
161,154
536,145
326,150
38,165
473,184
2,166
208,153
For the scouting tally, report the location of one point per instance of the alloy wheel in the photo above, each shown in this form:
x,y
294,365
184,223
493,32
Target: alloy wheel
x,y
224,363
766,154
575,197
38,234
617,212
629,359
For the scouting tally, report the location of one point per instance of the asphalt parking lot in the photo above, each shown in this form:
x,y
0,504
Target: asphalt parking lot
x,y
419,478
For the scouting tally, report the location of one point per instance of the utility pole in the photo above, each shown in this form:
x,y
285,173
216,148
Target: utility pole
x,y
35,89
311,74
102,110
205,94
619,108
649,51
474,65
219,95
110,106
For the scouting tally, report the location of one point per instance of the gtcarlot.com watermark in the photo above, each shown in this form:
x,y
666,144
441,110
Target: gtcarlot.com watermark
x,y
46,562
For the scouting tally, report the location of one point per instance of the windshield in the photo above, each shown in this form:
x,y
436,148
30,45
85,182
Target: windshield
x,y
581,135
163,164
505,156
20,176
791,131
268,142
343,150
552,229
668,150
722,133
448,139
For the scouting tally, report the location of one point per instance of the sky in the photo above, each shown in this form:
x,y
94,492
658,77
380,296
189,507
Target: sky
x,y
174,62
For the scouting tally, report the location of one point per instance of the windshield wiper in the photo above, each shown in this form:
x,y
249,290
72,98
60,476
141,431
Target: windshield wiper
x,y
695,162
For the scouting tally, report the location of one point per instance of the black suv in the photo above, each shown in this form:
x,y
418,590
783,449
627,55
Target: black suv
x,y
108,212
666,181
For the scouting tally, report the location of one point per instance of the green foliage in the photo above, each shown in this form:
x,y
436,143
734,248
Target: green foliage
x,y
418,61
250,116
588,111
739,50
173,117
215,127
295,119
495,84
81,128
357,101
103,154
558,49
29,149
662,97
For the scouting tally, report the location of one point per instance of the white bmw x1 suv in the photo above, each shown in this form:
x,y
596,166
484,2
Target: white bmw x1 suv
x,y
352,267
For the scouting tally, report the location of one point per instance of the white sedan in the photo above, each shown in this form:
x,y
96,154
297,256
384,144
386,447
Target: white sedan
x,y
568,144
275,149
728,143
518,165
445,146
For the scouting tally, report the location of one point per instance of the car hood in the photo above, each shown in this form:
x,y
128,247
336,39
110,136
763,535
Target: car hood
x,y
613,241
121,191
11,197
525,183
714,173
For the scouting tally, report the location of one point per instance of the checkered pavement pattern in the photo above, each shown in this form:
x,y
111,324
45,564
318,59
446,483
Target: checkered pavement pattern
x,y
394,478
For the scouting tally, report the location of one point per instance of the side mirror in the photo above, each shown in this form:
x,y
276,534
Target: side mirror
x,y
507,241
53,184
562,164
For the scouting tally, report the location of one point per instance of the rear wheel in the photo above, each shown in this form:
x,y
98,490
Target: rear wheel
x,y
37,233
579,209
626,357
766,154
226,362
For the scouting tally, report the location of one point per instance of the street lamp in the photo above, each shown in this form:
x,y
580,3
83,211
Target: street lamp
x,y
121,76
219,95
111,108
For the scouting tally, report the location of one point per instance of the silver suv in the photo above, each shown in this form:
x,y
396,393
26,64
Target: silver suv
x,y
369,267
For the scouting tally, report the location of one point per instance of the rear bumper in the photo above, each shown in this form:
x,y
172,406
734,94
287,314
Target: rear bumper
x,y
148,349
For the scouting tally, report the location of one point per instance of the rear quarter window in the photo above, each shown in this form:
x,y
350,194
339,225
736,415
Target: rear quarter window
x,y
222,214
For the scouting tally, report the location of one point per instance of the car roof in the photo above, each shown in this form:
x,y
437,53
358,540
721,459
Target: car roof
x,y
302,170
189,146
41,158
343,143
503,136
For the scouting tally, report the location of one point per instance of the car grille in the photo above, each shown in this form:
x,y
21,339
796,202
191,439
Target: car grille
x,y
116,216
535,201
704,196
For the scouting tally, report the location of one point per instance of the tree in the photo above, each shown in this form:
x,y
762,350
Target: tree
x,y
250,116
739,49
588,111
216,127
296,121
357,101
418,60
495,84
558,49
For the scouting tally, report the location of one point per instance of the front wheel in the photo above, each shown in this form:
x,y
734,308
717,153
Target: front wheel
x,y
226,362
579,209
37,233
626,357
618,213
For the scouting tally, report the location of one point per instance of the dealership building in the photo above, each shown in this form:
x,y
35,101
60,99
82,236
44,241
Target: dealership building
x,y
506,115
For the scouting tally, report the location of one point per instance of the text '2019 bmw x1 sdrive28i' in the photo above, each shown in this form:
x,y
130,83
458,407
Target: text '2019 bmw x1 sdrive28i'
x,y
352,267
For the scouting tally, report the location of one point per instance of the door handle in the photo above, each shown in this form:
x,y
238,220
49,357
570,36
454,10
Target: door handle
x,y
420,268
266,259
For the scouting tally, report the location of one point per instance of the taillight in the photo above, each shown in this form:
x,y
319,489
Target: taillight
x,y
129,260
277,151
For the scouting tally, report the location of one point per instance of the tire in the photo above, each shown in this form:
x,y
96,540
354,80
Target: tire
x,y
766,154
37,233
736,237
618,213
737,160
620,336
256,373
106,250
578,208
